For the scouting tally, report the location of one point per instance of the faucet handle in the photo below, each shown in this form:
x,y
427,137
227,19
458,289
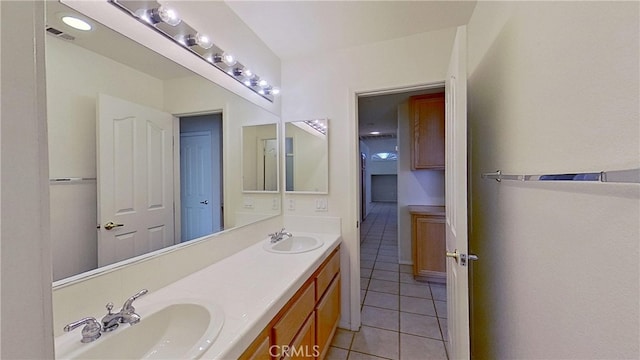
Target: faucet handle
x,y
90,332
128,307
109,307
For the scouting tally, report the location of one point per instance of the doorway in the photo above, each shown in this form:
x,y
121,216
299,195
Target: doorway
x,y
201,177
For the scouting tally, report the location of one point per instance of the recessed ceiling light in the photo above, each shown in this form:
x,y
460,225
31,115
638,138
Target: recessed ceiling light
x,y
76,23
375,133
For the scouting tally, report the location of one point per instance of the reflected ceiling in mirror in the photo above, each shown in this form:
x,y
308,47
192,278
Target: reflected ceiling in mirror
x,y
81,65
260,158
306,146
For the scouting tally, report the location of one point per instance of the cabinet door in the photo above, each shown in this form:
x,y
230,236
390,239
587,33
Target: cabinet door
x,y
427,112
327,315
430,260
287,327
259,350
303,345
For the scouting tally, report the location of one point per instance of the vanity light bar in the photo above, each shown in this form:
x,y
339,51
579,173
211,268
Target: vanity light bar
x,y
167,22
318,125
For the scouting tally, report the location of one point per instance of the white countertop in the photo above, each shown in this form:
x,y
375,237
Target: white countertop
x,y
251,286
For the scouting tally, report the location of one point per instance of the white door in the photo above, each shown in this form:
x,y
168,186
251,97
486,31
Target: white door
x,y
196,185
456,200
135,179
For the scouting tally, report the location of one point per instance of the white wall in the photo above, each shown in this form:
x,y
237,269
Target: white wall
x,y
26,258
553,87
324,86
415,187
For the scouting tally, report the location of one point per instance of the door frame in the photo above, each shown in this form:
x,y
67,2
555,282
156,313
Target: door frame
x,y
177,203
356,191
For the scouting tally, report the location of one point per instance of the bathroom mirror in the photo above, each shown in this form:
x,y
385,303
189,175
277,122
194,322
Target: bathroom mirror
x,y
306,146
260,158
90,72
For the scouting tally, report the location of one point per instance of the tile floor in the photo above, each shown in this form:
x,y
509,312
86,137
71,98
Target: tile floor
x,y
401,318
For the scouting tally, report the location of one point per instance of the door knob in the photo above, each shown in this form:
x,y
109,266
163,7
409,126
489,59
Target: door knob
x,y
110,225
455,254
205,202
462,259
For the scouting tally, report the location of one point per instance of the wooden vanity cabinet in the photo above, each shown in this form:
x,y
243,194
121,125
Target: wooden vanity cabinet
x,y
427,131
428,243
307,322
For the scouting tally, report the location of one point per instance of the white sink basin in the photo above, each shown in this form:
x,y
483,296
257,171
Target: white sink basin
x,y
293,245
177,331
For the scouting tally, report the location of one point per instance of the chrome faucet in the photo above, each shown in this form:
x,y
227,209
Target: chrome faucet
x,y
279,235
127,314
90,332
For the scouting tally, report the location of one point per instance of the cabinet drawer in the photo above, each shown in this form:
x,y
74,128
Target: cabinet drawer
x,y
327,273
327,315
287,327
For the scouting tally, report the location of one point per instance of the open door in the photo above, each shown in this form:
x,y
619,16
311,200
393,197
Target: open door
x,y
135,179
456,199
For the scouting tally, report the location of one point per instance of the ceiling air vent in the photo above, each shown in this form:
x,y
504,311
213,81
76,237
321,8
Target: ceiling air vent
x,y
57,33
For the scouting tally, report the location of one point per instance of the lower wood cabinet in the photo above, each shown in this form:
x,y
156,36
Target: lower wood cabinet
x,y
428,243
305,326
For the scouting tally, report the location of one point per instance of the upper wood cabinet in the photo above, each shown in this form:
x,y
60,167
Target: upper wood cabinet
x,y
427,131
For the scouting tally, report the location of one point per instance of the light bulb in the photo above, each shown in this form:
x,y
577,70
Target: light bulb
x,y
263,83
275,91
167,15
247,72
199,39
228,59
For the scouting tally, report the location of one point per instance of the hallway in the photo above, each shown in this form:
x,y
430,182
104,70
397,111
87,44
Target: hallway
x,y
401,318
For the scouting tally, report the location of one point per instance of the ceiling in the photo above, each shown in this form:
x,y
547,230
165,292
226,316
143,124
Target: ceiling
x,y
302,28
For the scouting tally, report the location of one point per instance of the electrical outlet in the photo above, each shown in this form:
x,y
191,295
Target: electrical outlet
x,y
275,204
291,204
248,203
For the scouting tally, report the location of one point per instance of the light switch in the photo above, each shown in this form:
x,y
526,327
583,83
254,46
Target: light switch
x,y
248,203
321,204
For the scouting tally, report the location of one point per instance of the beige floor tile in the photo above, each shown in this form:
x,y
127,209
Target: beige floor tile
x,y
366,273
390,287
364,283
384,275
438,291
414,290
366,264
342,338
382,300
335,353
370,257
389,248
369,250
380,318
441,309
363,294
417,306
378,342
409,279
444,328
406,268
353,355
415,347
386,266
420,325
389,259
388,252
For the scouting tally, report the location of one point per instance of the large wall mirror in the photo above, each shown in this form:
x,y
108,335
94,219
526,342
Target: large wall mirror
x,y
306,145
143,153
260,158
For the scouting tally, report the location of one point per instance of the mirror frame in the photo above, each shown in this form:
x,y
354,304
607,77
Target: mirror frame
x,y
284,161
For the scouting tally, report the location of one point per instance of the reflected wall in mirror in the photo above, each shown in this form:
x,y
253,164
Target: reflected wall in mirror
x,y
307,156
260,158
114,108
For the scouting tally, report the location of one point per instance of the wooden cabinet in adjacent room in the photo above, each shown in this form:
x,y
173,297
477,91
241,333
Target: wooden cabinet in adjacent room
x,y
428,242
426,114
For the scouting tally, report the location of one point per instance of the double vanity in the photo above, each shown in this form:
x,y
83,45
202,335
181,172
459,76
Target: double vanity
x,y
254,304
